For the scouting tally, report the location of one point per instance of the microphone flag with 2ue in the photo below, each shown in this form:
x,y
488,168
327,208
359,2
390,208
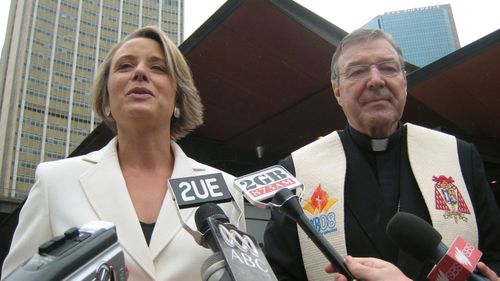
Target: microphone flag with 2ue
x,y
193,191
243,257
277,183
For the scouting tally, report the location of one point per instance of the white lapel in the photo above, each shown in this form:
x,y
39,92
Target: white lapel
x,y
168,223
107,192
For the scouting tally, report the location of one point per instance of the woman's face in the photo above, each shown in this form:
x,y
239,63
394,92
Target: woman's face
x,y
139,87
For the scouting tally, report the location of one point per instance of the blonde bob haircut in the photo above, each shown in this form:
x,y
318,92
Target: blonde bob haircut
x,y
187,98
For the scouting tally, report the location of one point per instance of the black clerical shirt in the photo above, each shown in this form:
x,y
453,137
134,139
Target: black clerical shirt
x,y
383,165
385,162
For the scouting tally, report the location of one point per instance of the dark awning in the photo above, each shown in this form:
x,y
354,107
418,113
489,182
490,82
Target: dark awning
x,y
263,71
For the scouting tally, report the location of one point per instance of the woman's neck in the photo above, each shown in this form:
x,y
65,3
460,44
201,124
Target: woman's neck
x,y
145,151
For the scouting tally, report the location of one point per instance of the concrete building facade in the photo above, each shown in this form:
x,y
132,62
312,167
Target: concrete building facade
x,y
51,53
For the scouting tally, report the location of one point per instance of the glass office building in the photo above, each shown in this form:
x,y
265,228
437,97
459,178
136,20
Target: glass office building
x,y
424,34
51,53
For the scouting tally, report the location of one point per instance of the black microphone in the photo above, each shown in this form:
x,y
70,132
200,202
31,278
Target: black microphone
x,y
205,211
289,205
214,268
194,191
244,260
419,239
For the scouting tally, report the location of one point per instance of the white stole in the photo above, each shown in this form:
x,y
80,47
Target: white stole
x,y
434,162
321,165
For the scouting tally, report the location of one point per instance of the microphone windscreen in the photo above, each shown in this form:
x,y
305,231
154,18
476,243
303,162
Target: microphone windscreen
x,y
282,196
214,268
204,212
413,235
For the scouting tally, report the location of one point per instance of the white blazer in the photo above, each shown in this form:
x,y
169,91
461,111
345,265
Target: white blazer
x,y
73,191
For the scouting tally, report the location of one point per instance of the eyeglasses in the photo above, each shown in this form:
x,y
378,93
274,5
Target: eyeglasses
x,y
361,71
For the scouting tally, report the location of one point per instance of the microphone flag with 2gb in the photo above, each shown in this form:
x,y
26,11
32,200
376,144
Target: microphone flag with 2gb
x,y
420,240
194,191
244,259
277,183
260,186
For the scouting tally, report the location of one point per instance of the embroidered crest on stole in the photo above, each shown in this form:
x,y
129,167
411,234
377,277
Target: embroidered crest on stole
x,y
319,205
449,199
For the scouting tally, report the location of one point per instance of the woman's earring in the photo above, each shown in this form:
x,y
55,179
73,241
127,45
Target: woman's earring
x,y
107,111
177,112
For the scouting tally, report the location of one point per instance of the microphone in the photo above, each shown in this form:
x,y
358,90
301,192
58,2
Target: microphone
x,y
194,191
276,182
214,269
237,255
259,187
420,240
91,252
290,206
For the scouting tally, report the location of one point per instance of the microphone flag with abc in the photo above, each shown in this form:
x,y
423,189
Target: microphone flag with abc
x,y
241,252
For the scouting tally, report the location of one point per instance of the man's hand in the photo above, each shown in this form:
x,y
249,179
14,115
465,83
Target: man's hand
x,y
487,272
369,269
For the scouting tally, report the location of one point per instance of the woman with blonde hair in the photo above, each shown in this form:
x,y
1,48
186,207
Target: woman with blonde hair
x,y
144,92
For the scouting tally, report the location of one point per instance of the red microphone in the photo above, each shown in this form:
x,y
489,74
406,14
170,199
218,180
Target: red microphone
x,y
419,239
458,263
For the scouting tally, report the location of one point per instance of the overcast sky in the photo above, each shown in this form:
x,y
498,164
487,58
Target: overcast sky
x,y
474,19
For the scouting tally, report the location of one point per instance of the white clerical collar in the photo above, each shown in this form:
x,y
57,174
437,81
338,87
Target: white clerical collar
x,y
376,145
379,144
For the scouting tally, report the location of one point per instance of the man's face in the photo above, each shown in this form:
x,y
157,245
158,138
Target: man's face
x,y
373,97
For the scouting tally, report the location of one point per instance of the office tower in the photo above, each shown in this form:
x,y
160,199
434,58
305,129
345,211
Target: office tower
x,y
51,53
424,34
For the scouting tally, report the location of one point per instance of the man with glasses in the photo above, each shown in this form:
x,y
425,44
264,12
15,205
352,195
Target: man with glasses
x,y
358,178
